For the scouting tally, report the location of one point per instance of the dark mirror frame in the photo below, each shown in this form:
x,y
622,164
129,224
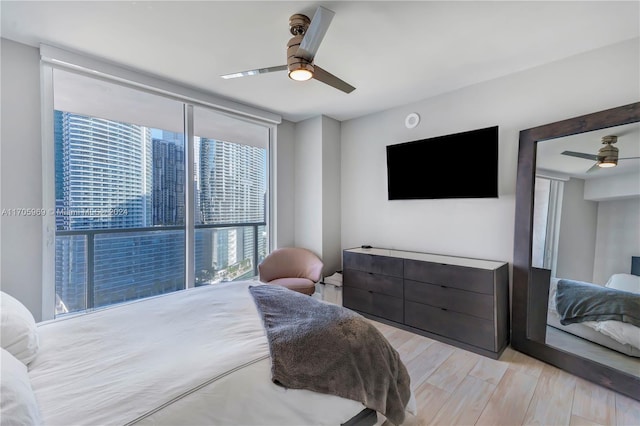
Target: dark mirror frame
x,y
525,308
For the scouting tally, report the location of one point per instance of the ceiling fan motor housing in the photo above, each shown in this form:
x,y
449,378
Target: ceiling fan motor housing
x,y
608,153
298,27
294,62
299,24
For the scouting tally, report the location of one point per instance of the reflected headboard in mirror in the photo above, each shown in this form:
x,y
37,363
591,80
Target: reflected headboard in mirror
x,y
526,299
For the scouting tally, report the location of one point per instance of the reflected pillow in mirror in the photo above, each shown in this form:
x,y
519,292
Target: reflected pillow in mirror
x,y
624,282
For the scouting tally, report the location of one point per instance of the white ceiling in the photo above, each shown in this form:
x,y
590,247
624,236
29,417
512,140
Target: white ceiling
x,y
393,52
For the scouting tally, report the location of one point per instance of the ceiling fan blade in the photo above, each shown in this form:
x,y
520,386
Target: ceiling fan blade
x,y
330,79
593,168
581,155
254,72
315,33
628,158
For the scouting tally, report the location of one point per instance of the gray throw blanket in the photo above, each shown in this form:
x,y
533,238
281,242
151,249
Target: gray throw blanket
x,y
330,349
578,301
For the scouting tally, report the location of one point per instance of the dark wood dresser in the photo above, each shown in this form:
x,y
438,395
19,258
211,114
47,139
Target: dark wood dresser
x,y
459,301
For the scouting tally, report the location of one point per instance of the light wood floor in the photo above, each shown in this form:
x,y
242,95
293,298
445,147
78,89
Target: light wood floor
x,y
456,387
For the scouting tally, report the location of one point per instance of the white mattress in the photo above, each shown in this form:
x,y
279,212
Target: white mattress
x,y
623,333
198,356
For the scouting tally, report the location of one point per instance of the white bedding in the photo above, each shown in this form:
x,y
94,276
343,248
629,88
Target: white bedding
x,y
198,356
624,333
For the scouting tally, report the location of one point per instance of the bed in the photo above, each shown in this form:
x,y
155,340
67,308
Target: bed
x,y
198,356
621,336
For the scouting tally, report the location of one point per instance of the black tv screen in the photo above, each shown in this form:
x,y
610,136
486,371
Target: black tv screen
x,y
461,165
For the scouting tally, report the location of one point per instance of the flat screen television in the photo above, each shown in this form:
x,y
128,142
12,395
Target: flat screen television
x,y
461,165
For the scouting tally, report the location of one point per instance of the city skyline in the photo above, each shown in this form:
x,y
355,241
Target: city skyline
x,y
115,175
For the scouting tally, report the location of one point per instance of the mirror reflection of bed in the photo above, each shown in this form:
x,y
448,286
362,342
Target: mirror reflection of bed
x,y
596,339
586,228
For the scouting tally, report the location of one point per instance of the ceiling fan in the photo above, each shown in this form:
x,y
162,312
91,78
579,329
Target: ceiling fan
x,y
607,156
301,49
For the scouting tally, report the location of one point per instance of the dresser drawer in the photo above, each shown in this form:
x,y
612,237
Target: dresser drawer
x,y
384,284
469,279
474,304
376,304
454,325
383,265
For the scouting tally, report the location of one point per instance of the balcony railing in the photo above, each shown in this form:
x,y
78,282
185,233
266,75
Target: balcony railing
x,y
99,267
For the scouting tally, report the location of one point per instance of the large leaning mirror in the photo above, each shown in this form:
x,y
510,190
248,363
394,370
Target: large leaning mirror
x,y
577,246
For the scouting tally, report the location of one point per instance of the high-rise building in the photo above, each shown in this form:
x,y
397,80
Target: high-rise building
x,y
113,176
232,185
105,178
62,221
104,181
168,183
232,182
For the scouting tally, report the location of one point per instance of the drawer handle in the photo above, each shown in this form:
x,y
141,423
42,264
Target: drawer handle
x,y
444,309
370,291
443,286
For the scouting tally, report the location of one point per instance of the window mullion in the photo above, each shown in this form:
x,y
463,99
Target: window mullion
x,y
189,222
48,195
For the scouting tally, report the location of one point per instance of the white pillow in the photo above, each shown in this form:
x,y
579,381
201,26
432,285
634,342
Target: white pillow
x,y
624,282
17,401
18,331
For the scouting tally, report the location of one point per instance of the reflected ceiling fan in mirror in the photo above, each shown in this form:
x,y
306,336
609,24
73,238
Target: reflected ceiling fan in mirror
x,y
301,50
607,156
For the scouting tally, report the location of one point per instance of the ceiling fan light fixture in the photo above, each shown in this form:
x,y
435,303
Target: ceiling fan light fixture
x,y
606,163
300,74
300,70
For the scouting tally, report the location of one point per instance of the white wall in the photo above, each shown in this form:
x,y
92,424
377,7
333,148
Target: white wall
x,y
283,177
577,238
481,228
597,237
617,237
308,184
614,187
331,253
317,189
600,227
20,174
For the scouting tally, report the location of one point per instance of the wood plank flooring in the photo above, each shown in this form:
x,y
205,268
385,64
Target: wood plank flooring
x,y
456,387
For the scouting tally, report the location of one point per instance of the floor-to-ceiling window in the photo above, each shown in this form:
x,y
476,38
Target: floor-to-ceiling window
x,y
127,162
231,177
546,222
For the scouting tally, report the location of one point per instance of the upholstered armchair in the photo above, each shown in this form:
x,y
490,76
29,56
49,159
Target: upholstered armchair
x,y
296,268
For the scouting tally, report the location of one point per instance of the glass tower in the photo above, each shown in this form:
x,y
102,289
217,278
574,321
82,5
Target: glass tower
x,y
113,176
102,171
105,176
232,186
